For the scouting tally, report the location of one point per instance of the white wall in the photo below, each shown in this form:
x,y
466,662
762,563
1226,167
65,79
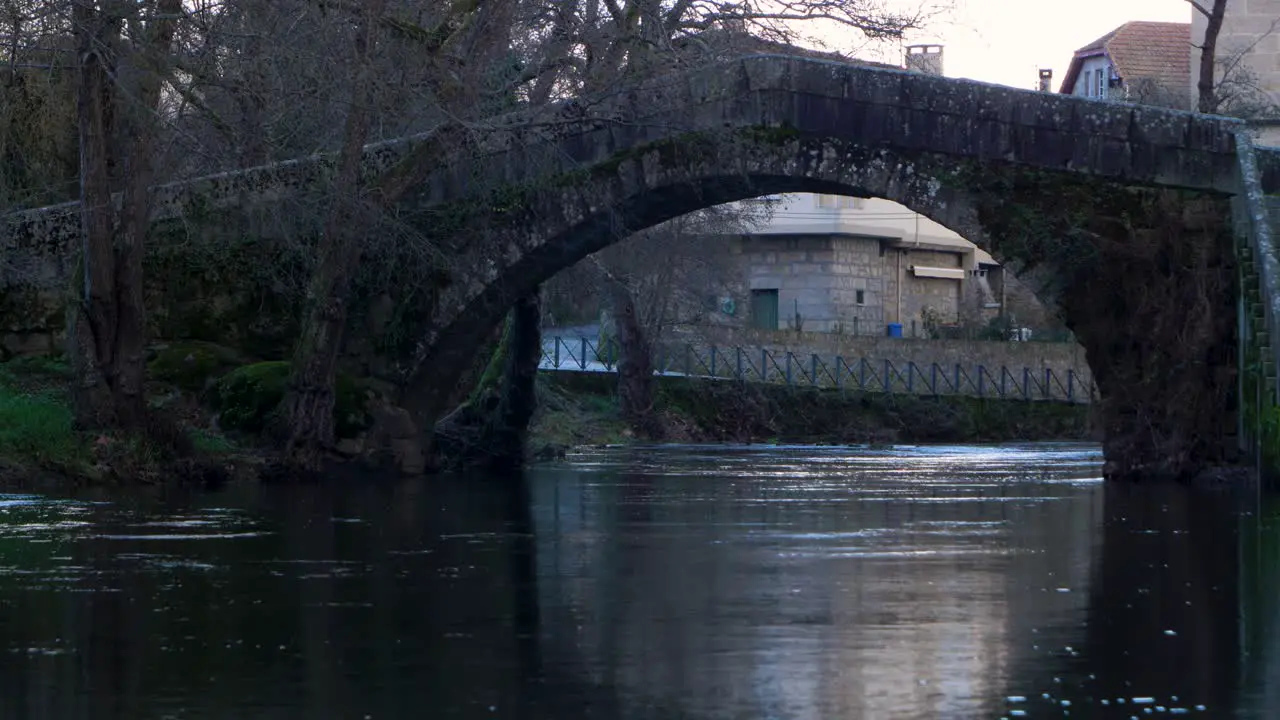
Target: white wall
x,y
1086,81
804,213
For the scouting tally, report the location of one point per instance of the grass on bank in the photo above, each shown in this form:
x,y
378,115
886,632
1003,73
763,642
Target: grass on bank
x,y
35,418
581,408
37,427
565,418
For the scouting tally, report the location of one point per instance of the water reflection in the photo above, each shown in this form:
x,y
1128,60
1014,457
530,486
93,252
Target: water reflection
x,y
754,583
690,582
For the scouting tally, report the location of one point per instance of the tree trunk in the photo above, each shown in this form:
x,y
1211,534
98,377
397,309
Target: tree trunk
x,y
107,320
308,406
635,362
308,403
1206,84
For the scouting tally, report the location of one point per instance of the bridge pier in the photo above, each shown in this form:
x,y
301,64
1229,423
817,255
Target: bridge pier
x,y
1155,311
491,428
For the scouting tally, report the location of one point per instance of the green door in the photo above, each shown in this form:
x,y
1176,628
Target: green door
x,y
764,309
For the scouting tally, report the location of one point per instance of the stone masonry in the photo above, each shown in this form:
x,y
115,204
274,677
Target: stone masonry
x,y
819,278
923,299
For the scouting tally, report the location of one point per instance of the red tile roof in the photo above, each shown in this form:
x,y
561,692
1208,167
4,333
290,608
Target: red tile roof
x,y
1142,51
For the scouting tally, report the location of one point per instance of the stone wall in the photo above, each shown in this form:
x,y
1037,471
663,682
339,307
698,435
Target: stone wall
x,y
820,278
800,269
861,262
941,296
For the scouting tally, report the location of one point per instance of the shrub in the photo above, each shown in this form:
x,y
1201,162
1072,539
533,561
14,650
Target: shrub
x,y
247,396
191,364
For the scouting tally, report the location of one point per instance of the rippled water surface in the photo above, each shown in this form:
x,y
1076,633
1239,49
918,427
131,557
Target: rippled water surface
x,y
670,582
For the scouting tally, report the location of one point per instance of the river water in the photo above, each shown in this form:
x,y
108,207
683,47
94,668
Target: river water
x,y
671,582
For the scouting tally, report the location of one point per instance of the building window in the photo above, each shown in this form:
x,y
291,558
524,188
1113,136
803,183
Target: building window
x,y
1102,82
860,297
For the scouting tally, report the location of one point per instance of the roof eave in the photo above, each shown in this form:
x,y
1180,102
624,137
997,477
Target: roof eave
x,y
1073,70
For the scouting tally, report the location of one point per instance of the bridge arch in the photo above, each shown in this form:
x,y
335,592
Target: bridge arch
x,y
1073,233
551,230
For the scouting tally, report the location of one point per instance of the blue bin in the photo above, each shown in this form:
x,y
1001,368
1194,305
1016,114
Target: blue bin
x,y
895,330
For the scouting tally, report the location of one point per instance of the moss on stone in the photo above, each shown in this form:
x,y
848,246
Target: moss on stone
x,y
491,378
782,134
247,396
191,364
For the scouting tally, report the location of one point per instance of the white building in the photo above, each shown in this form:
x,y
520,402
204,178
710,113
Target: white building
x,y
830,263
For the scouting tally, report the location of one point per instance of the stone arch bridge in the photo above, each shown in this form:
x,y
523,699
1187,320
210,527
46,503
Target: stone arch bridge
x,y
1142,227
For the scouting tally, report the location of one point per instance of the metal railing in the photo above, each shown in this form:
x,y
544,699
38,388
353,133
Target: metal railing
x,y
861,374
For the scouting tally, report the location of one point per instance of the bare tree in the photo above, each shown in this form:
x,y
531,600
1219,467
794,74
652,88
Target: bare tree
x,y
657,278
1226,83
309,401
464,42
1206,98
582,46
671,269
122,52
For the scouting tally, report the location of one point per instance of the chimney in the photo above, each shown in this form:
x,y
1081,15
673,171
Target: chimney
x,y
925,58
1046,80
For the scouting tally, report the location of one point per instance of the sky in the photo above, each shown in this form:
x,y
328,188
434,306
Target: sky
x,y
1007,41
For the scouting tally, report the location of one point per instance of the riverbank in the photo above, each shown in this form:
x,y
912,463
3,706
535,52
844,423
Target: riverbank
x,y
217,408
40,447
577,408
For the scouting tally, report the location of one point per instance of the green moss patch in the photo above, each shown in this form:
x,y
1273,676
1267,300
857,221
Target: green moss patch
x,y
191,364
247,396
